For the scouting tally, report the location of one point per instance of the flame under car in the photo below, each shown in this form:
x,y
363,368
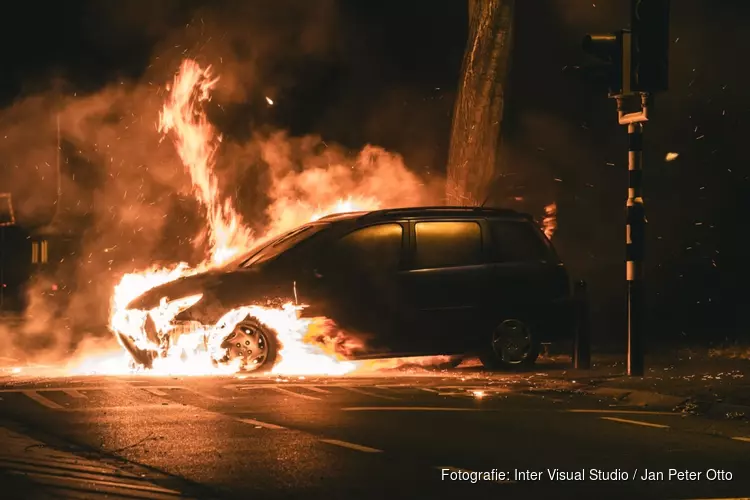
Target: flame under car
x,y
414,282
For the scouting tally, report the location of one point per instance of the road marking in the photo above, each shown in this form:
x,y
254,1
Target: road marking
x,y
346,444
467,471
292,393
42,400
413,408
466,394
137,407
469,388
242,387
428,390
545,397
155,392
75,394
204,395
317,389
635,422
93,388
258,423
371,394
629,412
742,438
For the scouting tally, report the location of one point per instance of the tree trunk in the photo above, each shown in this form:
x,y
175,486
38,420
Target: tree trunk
x,y
478,113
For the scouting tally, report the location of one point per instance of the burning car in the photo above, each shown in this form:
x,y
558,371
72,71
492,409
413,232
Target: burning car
x,y
412,281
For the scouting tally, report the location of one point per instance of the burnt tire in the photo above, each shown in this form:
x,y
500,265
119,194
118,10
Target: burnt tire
x,y
141,357
254,344
512,347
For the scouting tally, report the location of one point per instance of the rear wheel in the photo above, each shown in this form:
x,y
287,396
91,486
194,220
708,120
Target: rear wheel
x,y
512,347
253,344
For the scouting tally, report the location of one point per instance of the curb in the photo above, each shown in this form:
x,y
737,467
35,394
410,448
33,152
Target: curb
x,y
669,402
637,397
46,472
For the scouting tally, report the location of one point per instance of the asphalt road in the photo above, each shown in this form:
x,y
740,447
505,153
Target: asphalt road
x,y
353,437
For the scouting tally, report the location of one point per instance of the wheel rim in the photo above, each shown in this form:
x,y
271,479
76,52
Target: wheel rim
x,y
511,341
248,343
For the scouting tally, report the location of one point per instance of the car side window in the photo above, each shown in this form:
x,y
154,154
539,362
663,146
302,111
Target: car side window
x,y
514,241
447,244
373,249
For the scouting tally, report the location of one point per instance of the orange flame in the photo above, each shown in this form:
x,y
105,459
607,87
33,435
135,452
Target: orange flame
x,y
549,224
196,142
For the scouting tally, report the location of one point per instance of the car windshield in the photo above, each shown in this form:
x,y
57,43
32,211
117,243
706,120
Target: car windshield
x,y
276,246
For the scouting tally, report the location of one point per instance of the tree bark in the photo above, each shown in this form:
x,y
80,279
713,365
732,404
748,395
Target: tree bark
x,y
478,113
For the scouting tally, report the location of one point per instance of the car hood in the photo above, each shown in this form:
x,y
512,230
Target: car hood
x,y
223,289
178,289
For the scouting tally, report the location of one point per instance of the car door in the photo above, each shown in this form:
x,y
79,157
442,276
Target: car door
x,y
444,283
354,283
524,272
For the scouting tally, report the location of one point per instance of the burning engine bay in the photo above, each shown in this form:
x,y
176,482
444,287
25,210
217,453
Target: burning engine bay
x,y
246,338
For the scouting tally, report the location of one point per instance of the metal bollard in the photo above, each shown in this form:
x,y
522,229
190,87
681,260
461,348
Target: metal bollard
x,y
582,342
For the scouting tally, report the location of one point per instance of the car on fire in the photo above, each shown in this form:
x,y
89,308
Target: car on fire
x,y
418,281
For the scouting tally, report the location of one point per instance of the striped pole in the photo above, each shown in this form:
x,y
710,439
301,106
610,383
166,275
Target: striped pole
x,y
634,239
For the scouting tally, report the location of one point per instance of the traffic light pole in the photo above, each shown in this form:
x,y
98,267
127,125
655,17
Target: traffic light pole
x,y
635,63
635,231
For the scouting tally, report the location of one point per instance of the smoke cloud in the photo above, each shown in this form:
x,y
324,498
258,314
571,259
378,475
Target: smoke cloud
x,y
126,202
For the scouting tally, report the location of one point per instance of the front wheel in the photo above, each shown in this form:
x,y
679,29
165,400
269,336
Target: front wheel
x,y
512,347
253,345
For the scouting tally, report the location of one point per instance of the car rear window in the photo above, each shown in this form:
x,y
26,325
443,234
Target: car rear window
x,y
514,241
447,244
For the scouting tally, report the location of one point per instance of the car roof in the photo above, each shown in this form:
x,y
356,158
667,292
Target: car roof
x,y
428,213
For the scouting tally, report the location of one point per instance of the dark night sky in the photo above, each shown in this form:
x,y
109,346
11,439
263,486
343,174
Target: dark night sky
x,y
386,73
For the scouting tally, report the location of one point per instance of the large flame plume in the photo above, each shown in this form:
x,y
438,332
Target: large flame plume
x,y
196,141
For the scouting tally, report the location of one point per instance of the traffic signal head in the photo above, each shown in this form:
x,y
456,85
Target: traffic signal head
x,y
611,52
650,45
604,46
